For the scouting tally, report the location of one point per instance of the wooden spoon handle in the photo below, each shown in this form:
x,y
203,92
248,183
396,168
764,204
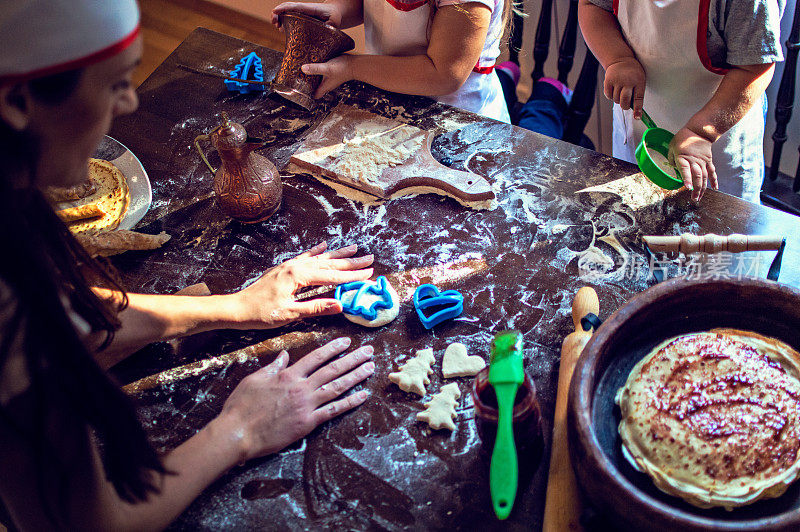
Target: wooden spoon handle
x,y
562,505
711,243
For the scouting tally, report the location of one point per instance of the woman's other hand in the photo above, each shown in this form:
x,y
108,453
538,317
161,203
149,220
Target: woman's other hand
x,y
691,154
330,13
277,405
624,84
270,301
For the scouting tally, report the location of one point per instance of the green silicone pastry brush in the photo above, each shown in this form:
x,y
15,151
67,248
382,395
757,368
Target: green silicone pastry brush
x,y
505,375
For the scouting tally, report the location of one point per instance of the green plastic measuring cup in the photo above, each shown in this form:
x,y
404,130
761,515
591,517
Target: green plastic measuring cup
x,y
656,139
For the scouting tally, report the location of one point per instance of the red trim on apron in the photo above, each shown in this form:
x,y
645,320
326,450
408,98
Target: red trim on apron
x,y
702,39
81,62
400,6
615,7
483,70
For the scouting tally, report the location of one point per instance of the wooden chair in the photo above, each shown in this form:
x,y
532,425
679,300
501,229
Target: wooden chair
x,y
584,91
780,191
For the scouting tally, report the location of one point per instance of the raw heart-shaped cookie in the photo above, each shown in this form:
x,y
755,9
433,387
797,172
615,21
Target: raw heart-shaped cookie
x,y
456,362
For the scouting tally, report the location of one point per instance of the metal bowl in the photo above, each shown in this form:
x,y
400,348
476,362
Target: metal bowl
x,y
678,306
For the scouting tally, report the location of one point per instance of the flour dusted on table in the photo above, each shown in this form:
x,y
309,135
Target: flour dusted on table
x,y
635,190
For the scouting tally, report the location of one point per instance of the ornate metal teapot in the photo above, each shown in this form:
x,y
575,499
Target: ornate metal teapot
x,y
247,185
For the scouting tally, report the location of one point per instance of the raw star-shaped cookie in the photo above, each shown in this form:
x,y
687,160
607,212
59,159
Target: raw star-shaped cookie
x,y
441,410
413,375
456,362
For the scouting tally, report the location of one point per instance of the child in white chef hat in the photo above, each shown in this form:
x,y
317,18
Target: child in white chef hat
x,y
699,68
444,49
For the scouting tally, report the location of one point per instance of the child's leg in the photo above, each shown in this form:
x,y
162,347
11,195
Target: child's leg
x,y
546,108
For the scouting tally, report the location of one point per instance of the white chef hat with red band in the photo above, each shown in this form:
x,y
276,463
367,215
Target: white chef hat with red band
x,y
44,37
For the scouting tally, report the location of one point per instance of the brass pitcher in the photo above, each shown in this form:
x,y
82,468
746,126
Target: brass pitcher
x,y
247,185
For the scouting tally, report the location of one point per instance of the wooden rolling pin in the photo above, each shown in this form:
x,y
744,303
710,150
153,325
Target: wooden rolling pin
x,y
562,505
711,243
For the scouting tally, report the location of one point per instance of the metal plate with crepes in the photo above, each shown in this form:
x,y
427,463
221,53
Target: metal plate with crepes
x,y
141,194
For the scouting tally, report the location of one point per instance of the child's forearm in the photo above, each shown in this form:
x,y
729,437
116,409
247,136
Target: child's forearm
x,y
737,93
416,74
602,34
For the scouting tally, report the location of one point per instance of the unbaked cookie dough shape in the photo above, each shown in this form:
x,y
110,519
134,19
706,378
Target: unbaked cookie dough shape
x,y
414,375
440,411
369,303
457,363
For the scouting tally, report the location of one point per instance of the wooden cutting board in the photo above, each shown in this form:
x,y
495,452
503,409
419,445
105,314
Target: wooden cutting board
x,y
331,142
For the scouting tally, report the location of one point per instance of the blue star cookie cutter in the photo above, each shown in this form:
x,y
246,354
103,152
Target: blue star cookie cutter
x,y
249,68
427,296
354,307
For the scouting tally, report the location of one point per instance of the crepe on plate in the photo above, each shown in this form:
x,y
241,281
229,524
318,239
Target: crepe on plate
x,y
111,197
714,417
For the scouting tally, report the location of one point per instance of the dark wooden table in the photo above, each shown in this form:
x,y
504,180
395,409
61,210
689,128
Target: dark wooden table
x,y
517,265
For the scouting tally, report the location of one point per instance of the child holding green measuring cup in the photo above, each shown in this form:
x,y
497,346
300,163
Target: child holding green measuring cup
x,y
706,65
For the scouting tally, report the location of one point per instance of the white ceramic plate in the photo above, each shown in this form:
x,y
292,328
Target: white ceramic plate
x,y
141,194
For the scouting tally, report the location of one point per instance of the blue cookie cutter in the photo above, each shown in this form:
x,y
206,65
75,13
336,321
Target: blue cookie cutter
x,y
427,296
249,68
355,308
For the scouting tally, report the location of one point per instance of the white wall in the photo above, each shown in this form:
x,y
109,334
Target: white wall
x,y
599,126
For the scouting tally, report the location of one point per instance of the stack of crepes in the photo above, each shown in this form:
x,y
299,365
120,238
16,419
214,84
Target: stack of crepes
x,y
93,210
714,417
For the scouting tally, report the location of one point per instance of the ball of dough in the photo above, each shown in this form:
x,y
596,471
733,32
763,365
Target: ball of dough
x,y
384,315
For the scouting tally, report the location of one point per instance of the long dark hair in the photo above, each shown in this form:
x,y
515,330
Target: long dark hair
x,y
49,276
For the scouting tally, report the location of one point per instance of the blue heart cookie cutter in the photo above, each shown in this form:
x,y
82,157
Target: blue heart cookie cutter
x,y
354,306
427,296
250,69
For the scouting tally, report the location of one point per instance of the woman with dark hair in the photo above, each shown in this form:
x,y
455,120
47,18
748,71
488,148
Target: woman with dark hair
x,y
72,452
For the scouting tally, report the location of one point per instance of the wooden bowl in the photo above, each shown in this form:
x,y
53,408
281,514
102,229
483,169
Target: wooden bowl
x,y
674,307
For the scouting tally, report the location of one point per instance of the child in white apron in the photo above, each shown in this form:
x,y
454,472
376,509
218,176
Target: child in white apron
x,y
706,65
448,55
